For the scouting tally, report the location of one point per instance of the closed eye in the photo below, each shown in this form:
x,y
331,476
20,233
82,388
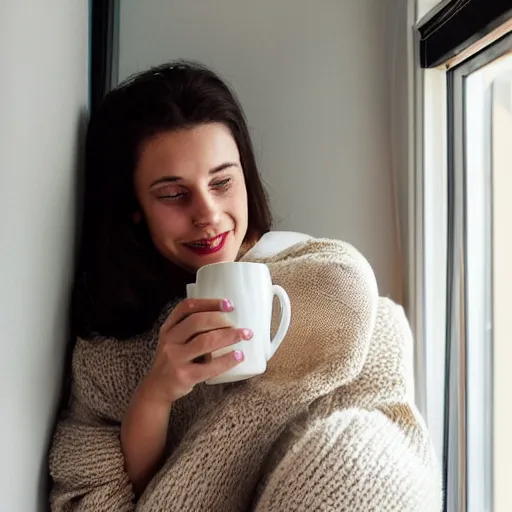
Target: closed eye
x,y
172,197
166,195
222,184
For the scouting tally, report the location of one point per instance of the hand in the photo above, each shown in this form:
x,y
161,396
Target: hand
x,y
193,330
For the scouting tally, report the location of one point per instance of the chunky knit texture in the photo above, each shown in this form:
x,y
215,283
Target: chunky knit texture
x,y
331,425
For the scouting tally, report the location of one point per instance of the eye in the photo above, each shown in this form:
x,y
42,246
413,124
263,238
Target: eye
x,y
170,196
223,184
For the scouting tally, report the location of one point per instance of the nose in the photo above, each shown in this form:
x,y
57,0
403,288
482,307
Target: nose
x,y
205,211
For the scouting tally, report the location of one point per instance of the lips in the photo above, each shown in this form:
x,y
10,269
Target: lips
x,y
208,245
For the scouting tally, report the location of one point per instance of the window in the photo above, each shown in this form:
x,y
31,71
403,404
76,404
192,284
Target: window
x,y
479,187
501,151
467,217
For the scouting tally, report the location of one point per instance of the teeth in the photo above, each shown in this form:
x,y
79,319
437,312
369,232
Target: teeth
x,y
215,243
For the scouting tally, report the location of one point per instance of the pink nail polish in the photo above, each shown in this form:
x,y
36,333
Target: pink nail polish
x,y
247,334
238,355
227,305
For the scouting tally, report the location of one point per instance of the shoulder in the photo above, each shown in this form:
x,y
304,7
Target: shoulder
x,y
281,245
335,259
328,277
275,242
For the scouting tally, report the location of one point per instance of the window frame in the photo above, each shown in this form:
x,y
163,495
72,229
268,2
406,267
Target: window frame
x,y
465,482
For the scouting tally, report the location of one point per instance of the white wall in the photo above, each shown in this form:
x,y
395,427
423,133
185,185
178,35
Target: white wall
x,y
43,91
400,74
313,79
426,7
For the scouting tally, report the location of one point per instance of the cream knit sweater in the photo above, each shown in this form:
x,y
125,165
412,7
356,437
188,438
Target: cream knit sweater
x,y
330,426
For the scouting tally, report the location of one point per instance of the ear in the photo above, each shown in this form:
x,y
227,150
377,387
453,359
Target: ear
x,y
136,217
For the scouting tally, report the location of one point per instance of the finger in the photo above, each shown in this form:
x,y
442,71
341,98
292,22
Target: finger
x,y
198,323
206,343
206,371
191,306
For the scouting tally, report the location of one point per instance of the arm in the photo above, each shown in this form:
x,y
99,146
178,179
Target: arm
x,y
94,459
182,338
143,436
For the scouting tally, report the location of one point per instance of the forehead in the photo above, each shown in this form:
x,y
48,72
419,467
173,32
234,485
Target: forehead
x,y
187,153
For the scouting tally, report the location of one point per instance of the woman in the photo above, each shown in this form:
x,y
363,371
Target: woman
x,y
172,185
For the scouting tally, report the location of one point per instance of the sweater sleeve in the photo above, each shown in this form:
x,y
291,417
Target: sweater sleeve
x,y
354,460
363,446
86,461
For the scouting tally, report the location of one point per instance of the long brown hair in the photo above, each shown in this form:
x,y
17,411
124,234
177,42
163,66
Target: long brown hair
x,y
122,281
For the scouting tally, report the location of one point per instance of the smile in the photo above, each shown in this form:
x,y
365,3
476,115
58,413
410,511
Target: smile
x,y
208,246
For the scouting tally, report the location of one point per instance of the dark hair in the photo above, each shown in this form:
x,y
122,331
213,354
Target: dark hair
x,y
123,282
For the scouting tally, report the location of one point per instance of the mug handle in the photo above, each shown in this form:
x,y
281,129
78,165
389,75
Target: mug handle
x,y
285,319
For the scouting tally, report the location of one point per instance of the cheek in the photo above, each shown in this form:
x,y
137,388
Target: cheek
x,y
240,200
242,211
166,224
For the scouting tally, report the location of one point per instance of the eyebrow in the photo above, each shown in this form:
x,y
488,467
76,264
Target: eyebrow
x,y
174,179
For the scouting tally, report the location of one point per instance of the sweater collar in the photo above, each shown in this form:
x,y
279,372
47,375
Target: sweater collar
x,y
273,243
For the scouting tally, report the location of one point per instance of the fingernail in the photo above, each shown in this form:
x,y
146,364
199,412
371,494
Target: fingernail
x,y
247,334
238,355
227,305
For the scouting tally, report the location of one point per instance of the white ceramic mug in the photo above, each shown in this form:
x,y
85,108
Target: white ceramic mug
x,y
249,287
